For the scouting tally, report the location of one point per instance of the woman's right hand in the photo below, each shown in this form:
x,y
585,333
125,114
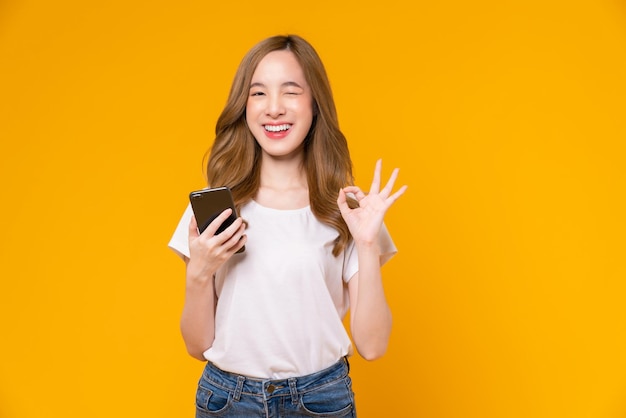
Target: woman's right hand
x,y
207,251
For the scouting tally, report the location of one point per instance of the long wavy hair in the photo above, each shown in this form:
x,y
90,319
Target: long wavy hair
x,y
235,157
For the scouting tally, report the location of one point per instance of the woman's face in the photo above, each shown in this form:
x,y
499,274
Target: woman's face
x,y
279,111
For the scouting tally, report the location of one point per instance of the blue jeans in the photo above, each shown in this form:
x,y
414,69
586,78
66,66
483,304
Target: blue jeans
x,y
327,393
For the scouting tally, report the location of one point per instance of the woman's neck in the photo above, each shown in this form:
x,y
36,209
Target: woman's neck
x,y
283,173
283,184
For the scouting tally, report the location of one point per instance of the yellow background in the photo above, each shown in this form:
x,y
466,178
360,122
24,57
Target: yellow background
x,y
506,118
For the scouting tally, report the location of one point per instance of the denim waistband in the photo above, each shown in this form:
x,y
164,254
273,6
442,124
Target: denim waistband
x,y
266,388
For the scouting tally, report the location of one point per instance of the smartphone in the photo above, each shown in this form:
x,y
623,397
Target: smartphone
x,y
207,204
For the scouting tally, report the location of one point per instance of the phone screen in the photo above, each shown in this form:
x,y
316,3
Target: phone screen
x,y
207,204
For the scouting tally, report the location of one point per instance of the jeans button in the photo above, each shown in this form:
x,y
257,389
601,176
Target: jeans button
x,y
271,389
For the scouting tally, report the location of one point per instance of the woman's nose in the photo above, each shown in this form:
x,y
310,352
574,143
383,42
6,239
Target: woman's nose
x,y
275,107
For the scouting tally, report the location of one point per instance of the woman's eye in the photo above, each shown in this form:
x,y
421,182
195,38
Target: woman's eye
x,y
256,93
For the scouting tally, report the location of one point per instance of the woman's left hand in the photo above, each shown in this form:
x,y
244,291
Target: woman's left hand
x,y
365,221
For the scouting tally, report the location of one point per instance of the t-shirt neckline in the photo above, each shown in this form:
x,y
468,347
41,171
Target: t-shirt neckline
x,y
302,209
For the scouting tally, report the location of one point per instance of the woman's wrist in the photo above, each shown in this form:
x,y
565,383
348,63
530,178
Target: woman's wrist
x,y
368,246
200,281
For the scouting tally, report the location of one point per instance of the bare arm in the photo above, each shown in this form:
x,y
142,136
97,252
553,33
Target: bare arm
x,y
370,316
207,252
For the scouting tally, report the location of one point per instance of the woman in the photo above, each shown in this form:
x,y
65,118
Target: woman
x,y
269,320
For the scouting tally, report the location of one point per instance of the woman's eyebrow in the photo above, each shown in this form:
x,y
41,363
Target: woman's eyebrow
x,y
285,84
291,84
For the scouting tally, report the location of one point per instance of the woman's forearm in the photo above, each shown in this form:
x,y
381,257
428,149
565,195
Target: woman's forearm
x,y
370,317
197,322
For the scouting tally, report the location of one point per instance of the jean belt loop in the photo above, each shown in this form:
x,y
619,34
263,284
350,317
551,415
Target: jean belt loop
x,y
293,390
345,359
238,389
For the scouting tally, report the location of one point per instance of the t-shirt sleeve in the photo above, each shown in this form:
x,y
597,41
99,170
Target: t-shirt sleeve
x,y
351,260
179,242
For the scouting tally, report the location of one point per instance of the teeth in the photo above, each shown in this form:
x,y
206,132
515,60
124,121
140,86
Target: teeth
x,y
277,128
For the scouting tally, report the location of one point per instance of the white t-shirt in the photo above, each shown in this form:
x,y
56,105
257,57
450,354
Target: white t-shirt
x,y
281,302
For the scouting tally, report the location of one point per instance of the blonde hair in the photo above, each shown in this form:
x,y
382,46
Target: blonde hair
x,y
234,158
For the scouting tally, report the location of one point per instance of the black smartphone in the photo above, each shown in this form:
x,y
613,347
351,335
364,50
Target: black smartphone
x,y
207,204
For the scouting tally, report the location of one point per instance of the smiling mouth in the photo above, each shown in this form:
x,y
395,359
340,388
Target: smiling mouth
x,y
277,128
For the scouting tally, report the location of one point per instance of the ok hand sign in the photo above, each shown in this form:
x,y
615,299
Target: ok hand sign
x,y
365,221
